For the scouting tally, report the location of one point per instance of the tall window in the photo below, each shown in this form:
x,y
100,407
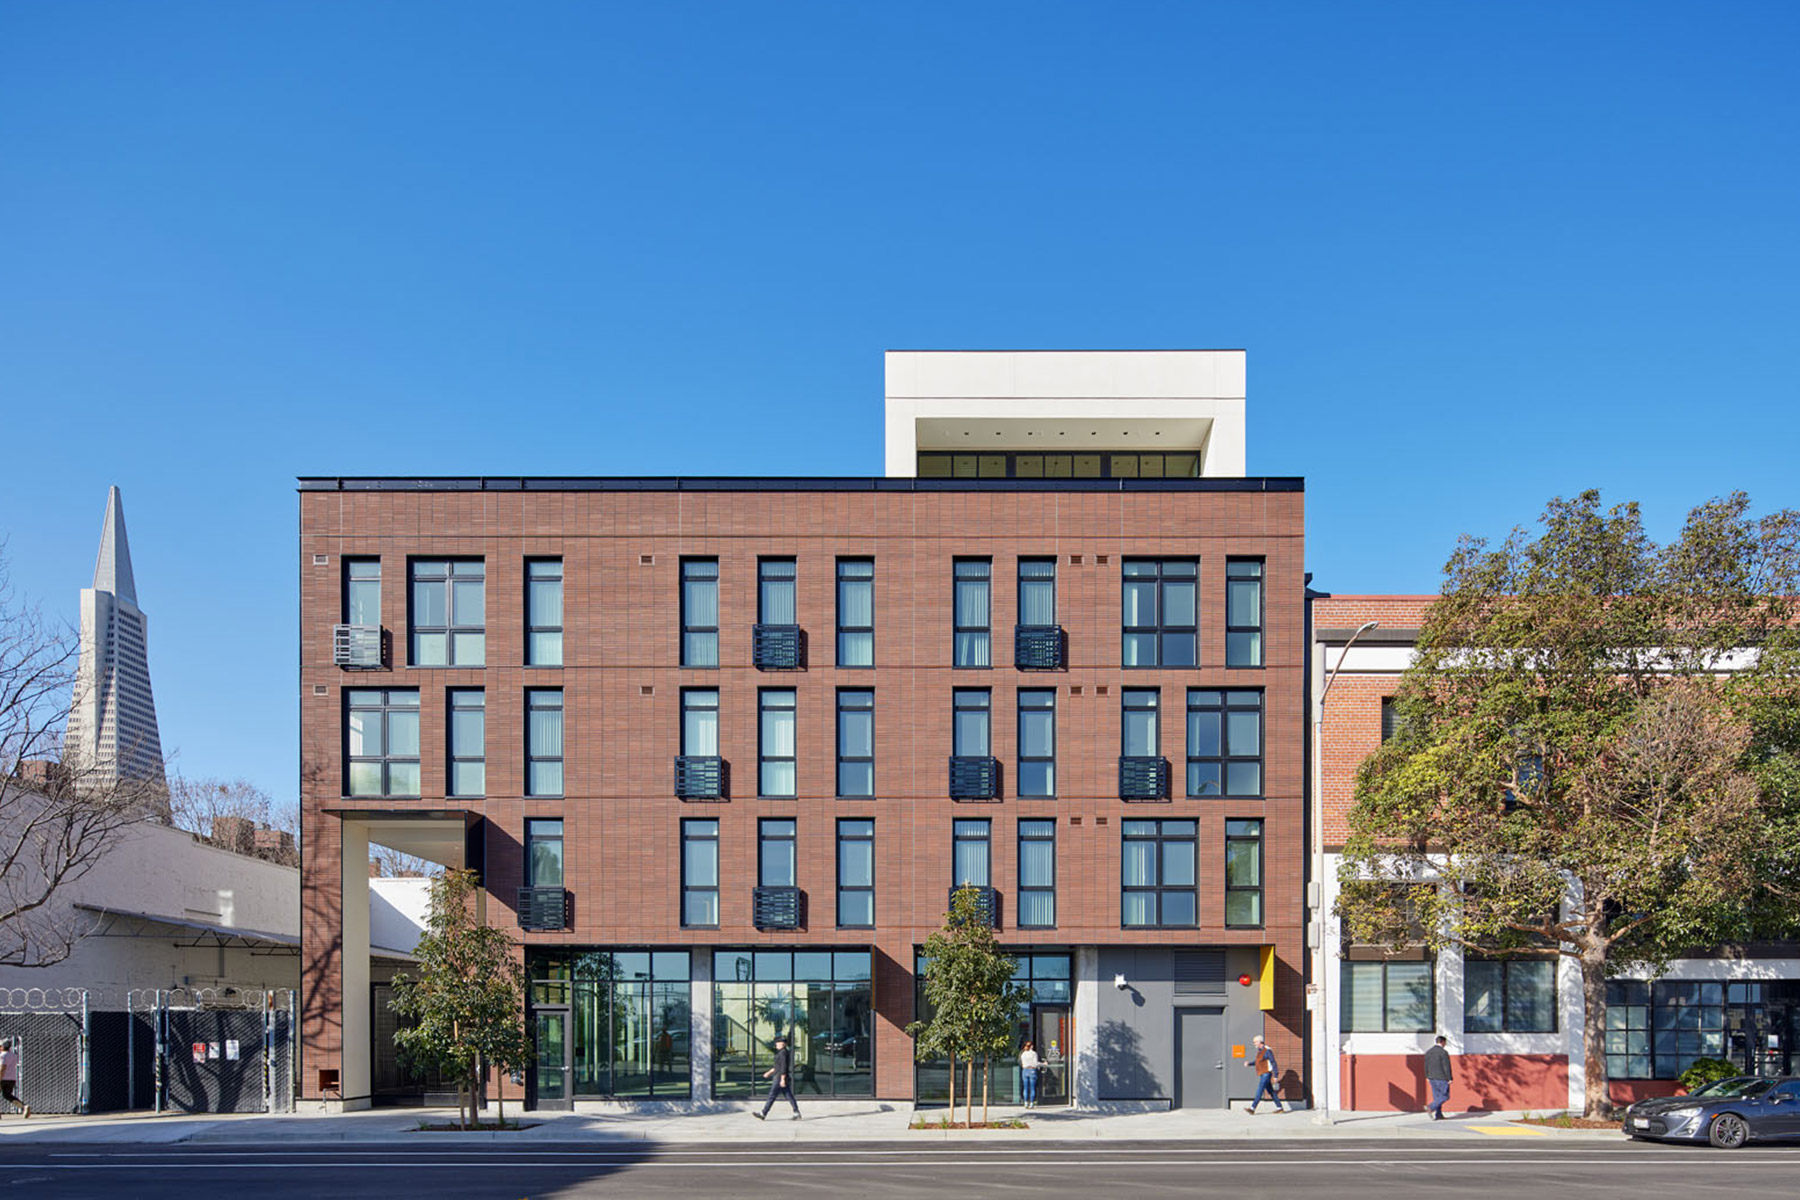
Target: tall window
x,y
855,874
543,612
468,742
855,612
1037,742
969,857
699,612
1138,733
776,742
699,874
1224,743
700,722
969,732
1509,995
362,591
775,580
1157,877
974,619
1037,874
382,732
1390,718
543,854
1037,591
1243,612
544,742
449,613
1387,997
1160,612
775,853
1243,874
855,742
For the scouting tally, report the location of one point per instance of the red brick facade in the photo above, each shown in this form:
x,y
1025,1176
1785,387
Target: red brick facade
x,y
621,549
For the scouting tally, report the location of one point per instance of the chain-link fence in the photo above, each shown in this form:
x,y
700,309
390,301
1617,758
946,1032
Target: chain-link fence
x,y
192,1049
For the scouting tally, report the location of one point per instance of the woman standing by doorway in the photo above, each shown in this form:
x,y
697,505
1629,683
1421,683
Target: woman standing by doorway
x,y
1028,1073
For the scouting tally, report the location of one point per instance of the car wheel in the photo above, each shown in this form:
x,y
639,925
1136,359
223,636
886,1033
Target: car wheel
x,y
1729,1131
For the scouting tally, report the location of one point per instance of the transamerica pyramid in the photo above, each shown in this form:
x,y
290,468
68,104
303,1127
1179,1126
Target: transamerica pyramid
x,y
112,717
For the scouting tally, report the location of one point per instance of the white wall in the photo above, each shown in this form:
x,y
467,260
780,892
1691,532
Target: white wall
x,y
397,912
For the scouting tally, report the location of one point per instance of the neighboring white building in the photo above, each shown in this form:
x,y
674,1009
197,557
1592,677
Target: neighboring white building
x,y
112,718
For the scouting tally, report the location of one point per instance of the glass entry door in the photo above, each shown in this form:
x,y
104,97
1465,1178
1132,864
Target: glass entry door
x,y
1053,1029
551,1070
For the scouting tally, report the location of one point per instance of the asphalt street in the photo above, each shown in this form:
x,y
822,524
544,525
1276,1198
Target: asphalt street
x,y
1343,1171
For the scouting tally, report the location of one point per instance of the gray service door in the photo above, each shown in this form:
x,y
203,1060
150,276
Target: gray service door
x,y
1200,1058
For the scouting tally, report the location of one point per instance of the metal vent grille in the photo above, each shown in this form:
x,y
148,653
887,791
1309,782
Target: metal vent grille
x,y
1199,972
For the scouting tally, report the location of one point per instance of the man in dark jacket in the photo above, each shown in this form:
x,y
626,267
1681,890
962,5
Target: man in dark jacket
x,y
781,1080
1437,1073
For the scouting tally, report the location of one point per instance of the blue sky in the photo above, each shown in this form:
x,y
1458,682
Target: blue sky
x,y
1479,254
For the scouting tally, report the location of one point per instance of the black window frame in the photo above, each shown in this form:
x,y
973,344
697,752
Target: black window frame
x,y
452,628
1154,708
1229,701
843,758
351,564
985,838
457,700
1168,572
694,830
1024,581
1347,1013
534,837
688,702
770,832
537,700
1036,831
1506,965
533,581
1167,831
855,831
386,705
766,704
1238,836
958,706
767,574
692,572
1242,564
852,580
973,573
1034,707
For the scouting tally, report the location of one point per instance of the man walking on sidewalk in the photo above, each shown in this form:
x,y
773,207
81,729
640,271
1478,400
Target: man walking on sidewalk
x,y
9,1075
1437,1074
781,1080
1264,1066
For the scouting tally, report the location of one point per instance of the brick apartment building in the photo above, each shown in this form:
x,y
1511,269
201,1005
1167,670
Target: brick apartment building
x,y
721,748
1515,1025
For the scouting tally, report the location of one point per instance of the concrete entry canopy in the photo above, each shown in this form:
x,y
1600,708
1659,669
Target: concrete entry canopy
x,y
337,1077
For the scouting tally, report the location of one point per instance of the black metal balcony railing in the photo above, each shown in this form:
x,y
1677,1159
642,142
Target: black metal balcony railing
x,y
778,907
987,905
543,908
1143,777
974,778
700,777
778,647
1038,648
358,647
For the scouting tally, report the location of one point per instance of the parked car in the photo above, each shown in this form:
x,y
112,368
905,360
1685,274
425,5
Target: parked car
x,y
1727,1113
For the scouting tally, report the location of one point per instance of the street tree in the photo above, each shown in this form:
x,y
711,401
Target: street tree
x,y
463,1006
973,1002
230,813
1596,752
59,814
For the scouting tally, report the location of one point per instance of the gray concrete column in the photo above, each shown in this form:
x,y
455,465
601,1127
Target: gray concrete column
x,y
1085,1061
353,1053
700,1026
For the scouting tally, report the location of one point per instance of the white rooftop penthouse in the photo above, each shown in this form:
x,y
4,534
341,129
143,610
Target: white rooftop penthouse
x,y
1065,414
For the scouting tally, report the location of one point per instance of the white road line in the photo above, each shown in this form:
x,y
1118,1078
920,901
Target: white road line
x,y
191,1164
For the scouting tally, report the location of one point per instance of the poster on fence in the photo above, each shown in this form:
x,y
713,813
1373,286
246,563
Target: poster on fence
x,y
199,1052
212,1050
231,1049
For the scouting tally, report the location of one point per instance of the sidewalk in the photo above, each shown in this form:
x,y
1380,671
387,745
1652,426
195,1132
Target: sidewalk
x,y
833,1122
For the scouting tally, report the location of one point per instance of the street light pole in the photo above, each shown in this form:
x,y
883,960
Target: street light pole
x,y
1321,1031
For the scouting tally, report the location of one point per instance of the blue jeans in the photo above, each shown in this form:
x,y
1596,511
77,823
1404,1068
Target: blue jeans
x,y
1266,1083
1028,1081
1440,1093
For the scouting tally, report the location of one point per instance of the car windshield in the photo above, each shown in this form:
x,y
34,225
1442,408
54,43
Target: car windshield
x,y
1725,1087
